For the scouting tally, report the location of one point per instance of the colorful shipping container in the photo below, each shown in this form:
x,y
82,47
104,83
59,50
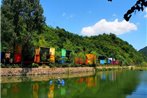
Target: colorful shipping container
x,y
17,58
79,60
52,55
90,59
18,54
63,52
37,55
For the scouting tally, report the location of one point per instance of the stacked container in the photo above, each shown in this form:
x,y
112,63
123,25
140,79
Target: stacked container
x,y
68,55
79,60
44,55
52,55
18,54
90,59
102,60
63,56
37,55
109,60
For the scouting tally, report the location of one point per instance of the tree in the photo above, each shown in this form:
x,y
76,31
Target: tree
x,y
21,19
138,6
7,27
68,45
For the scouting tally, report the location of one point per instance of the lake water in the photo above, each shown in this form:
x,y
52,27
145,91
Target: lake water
x,y
107,84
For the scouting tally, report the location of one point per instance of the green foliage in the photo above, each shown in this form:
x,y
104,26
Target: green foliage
x,y
7,27
35,65
143,52
106,44
20,20
140,5
143,64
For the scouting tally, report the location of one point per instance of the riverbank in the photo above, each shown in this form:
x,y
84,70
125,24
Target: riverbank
x,y
67,70
105,68
15,79
44,71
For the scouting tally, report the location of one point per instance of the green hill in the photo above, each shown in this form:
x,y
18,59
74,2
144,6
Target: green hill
x,y
143,51
106,44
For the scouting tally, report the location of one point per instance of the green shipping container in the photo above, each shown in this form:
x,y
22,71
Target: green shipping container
x,y
63,52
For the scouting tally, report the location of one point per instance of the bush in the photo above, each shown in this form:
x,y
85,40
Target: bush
x,y
35,65
143,64
16,66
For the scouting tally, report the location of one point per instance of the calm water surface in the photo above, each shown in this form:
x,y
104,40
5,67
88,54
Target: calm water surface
x,y
108,84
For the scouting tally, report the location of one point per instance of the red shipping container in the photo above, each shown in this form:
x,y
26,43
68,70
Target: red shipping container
x,y
115,62
17,58
37,59
79,61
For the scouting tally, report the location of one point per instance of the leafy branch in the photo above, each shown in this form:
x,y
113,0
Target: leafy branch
x,y
138,6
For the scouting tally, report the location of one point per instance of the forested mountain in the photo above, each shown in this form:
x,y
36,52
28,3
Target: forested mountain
x,y
107,44
143,51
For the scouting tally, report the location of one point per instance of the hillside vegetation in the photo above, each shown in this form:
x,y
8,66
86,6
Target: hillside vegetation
x,y
107,44
143,51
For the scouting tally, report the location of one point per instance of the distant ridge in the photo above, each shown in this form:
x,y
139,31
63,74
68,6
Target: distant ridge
x,y
143,51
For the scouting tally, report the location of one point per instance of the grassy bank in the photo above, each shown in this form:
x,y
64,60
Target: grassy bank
x,y
107,68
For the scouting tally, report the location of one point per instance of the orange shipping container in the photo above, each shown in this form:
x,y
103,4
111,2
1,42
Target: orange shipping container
x,y
37,59
37,55
52,58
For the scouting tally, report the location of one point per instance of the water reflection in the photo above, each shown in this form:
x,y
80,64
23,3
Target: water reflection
x,y
108,75
35,90
51,91
141,89
4,91
112,76
112,84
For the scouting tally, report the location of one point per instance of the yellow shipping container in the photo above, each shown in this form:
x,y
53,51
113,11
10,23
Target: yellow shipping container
x,y
37,51
90,59
52,51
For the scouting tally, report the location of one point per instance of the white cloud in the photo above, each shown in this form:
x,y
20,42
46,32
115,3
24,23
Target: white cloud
x,y
104,26
145,13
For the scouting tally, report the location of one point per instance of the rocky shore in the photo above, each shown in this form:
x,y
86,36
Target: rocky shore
x,y
66,70
44,71
45,74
